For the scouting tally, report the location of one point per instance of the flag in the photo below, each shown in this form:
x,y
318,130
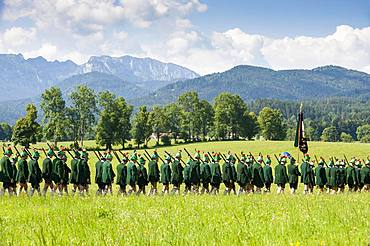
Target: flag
x,y
300,139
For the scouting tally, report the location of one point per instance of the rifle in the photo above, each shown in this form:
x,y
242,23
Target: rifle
x,y
51,148
123,154
147,157
237,157
345,157
250,154
44,152
326,165
317,161
222,156
213,160
17,151
147,154
28,153
101,156
115,154
3,149
70,153
173,157
96,155
189,154
277,158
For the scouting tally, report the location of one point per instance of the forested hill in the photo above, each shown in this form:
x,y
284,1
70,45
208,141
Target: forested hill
x,y
256,82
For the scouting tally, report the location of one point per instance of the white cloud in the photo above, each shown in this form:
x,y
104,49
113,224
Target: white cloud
x,y
77,29
347,46
18,36
47,50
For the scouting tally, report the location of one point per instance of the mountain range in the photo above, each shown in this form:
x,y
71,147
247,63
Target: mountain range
x,y
22,78
145,81
257,82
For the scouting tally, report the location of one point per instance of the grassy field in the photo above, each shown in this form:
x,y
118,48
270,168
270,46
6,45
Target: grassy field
x,y
195,220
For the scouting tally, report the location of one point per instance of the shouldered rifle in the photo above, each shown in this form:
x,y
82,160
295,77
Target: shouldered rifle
x,y
123,154
345,157
70,153
222,156
317,161
115,154
237,157
17,151
43,150
250,154
147,154
3,149
321,158
28,152
213,160
51,148
97,156
173,157
189,154
277,159
147,157
263,161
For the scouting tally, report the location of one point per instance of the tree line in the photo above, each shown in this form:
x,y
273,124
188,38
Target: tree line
x,y
110,120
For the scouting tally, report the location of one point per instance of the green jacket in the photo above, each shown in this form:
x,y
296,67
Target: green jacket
x,y
242,174
132,174
47,170
35,175
83,172
165,173
205,173
98,172
187,179
23,172
341,174
153,171
365,175
257,175
227,173
358,175
6,173
216,177
57,169
176,175
121,174
142,175
293,174
107,177
14,172
74,171
350,176
281,176
195,172
267,174
332,176
305,173
320,174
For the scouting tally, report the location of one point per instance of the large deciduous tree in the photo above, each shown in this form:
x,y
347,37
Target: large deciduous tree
x,y
84,105
271,123
26,129
141,130
54,121
114,121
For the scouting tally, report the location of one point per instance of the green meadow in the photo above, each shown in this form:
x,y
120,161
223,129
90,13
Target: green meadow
x,y
266,219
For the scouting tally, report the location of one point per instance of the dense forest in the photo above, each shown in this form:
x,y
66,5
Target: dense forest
x,y
110,119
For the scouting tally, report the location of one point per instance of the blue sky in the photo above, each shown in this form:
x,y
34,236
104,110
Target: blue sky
x,y
284,18
204,35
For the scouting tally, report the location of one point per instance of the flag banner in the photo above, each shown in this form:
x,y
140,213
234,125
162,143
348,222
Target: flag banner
x,y
300,138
